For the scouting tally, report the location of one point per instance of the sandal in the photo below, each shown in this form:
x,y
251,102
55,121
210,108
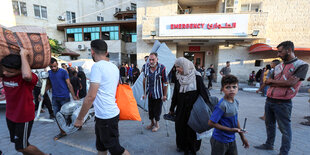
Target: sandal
x,y
307,117
155,129
60,135
305,123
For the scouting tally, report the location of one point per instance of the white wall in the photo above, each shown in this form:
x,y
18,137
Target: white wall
x,y
85,10
7,17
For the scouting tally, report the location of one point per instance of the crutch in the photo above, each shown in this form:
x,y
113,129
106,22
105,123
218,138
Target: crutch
x,y
144,94
38,118
166,122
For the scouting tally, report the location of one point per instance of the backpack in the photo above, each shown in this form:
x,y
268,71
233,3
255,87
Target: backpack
x,y
208,72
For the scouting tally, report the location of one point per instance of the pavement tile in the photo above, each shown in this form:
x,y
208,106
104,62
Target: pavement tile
x,y
83,142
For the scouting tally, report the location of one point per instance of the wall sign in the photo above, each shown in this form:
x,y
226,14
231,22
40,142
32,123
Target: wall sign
x,y
204,25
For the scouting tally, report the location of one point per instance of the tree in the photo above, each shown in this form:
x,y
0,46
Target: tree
x,y
55,48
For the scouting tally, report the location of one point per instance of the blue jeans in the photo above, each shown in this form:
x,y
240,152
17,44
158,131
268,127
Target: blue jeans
x,y
57,102
279,111
265,90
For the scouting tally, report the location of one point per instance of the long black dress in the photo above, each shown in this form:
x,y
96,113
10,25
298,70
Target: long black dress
x,y
186,138
82,76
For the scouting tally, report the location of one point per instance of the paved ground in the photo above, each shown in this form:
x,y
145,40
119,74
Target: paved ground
x,y
83,142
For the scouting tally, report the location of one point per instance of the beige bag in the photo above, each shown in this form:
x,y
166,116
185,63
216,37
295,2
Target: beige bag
x,y
31,38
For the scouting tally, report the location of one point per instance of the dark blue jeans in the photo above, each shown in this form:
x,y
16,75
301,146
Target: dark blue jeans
x,y
279,111
57,102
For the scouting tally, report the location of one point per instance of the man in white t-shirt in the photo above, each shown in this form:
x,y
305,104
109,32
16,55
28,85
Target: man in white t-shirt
x,y
104,79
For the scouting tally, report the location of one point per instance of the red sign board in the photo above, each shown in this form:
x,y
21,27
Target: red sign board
x,y
194,48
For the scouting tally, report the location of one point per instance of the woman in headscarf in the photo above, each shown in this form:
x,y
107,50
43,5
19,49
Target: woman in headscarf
x,y
189,85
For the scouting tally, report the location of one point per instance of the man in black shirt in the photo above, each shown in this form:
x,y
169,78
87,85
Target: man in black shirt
x,y
123,72
210,74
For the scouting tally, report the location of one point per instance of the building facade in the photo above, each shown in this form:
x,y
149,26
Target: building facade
x,y
74,23
244,32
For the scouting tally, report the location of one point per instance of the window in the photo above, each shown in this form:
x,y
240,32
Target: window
x,y
258,63
19,8
40,11
129,36
229,6
118,10
70,17
91,33
74,34
110,32
134,38
250,7
133,7
100,18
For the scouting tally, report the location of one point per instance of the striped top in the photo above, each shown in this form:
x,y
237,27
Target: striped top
x,y
155,80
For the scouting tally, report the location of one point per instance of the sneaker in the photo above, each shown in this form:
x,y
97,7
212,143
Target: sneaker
x,y
264,147
169,117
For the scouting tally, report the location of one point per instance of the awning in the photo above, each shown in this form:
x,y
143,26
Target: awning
x,y
69,52
260,47
126,23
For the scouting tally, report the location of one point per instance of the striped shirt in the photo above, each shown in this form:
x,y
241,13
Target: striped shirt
x,y
155,80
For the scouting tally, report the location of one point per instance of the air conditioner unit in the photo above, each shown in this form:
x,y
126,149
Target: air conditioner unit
x,y
81,47
62,18
128,8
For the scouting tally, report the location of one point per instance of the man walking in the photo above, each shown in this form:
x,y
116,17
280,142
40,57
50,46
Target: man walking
x,y
156,83
59,81
210,74
123,72
104,79
284,84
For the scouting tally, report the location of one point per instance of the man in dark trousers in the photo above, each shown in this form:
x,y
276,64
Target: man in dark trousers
x,y
104,78
210,74
284,84
123,73
156,83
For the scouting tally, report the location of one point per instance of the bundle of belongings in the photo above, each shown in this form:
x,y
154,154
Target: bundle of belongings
x,y
31,38
68,114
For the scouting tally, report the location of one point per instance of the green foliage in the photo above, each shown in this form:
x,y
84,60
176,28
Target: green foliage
x,y
55,48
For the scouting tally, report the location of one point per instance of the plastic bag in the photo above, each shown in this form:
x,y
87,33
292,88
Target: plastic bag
x,y
206,134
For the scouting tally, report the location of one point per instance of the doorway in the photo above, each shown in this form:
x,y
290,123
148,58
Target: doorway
x,y
196,57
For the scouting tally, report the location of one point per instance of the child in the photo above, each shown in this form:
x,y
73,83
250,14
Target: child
x,y
252,78
19,81
225,120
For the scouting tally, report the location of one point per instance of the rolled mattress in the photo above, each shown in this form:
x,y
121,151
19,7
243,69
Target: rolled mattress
x,y
31,38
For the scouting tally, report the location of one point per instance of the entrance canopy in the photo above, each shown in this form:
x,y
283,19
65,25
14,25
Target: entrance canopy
x,y
260,47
